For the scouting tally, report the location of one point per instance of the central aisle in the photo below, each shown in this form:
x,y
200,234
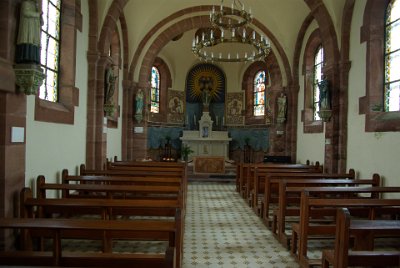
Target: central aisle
x,y
222,231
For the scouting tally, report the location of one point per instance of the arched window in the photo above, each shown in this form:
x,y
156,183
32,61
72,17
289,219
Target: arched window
x,y
392,57
50,49
155,90
259,93
317,77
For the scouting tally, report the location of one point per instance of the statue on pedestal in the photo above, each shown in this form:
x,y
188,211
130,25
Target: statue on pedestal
x,y
282,107
206,85
139,105
28,41
324,99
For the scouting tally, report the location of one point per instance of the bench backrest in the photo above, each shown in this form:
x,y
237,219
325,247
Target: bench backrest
x,y
345,227
106,231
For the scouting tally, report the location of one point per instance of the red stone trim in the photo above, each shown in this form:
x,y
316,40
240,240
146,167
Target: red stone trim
x,y
372,32
165,83
63,111
309,124
7,76
196,22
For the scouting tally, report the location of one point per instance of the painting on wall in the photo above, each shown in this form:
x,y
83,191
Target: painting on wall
x,y
204,78
234,109
176,106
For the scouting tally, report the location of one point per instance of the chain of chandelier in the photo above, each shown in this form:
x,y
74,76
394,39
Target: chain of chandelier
x,y
230,25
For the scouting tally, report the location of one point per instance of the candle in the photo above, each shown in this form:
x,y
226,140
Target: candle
x,y
223,120
216,120
187,120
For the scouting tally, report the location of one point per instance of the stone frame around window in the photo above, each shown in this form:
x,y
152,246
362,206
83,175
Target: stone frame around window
x,y
372,32
248,87
165,84
307,115
63,111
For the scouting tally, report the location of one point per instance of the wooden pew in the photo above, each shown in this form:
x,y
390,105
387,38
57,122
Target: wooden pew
x,y
137,178
165,165
254,173
106,231
103,208
289,194
110,190
311,207
242,173
133,180
257,182
106,209
153,170
143,169
363,232
271,188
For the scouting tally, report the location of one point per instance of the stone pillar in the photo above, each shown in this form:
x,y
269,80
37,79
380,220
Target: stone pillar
x,y
91,110
127,119
139,140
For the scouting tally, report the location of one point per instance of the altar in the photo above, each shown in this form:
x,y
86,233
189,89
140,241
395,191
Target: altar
x,y
205,141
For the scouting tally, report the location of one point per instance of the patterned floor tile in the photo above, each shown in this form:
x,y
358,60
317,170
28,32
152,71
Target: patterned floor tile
x,y
222,231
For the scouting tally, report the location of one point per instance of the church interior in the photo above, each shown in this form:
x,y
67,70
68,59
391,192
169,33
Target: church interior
x,y
219,88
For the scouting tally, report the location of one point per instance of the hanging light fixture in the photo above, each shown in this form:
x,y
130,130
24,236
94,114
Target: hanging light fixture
x,y
230,26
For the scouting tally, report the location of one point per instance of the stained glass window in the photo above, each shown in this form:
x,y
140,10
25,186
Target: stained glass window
x,y
155,90
318,76
392,57
259,93
50,49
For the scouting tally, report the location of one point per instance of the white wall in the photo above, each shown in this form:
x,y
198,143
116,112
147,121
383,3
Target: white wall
x,y
52,147
368,152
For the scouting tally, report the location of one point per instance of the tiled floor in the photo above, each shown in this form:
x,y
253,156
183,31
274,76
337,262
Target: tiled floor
x,y
222,231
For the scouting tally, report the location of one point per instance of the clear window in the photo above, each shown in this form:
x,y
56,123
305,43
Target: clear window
x,y
392,57
259,93
50,49
317,77
155,90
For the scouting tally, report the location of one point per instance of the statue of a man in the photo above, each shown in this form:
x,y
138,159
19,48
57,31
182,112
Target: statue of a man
x,y
206,98
139,102
282,106
110,85
28,41
324,95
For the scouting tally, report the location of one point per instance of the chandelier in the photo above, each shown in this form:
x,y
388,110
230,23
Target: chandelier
x,y
230,31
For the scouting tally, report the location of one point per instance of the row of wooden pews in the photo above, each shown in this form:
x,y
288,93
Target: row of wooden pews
x,y
108,210
300,204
